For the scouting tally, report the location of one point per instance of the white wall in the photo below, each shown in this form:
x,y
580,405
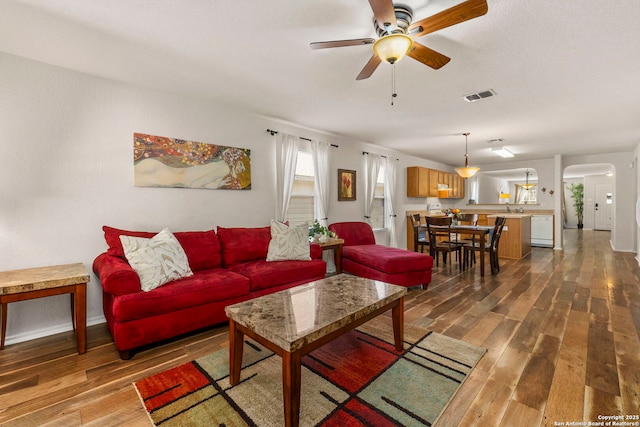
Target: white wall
x,y
636,154
623,228
66,140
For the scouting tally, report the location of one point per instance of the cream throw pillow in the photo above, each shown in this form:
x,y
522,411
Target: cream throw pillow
x,y
157,260
288,243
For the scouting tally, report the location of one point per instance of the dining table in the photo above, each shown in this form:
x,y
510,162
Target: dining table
x,y
481,231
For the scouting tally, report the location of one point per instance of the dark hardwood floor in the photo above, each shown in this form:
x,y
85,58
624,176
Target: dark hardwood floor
x,y
561,330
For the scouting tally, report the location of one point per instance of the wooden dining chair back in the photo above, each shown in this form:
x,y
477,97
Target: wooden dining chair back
x,y
491,247
467,239
468,219
439,230
420,238
495,241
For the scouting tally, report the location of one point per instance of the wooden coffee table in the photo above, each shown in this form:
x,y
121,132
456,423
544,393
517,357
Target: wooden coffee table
x,y
296,321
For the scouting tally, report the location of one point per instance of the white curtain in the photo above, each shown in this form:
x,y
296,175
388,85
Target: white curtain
x,y
372,168
320,154
286,157
389,197
473,188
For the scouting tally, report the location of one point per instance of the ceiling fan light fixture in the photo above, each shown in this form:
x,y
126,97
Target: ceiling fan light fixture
x,y
502,152
466,171
393,47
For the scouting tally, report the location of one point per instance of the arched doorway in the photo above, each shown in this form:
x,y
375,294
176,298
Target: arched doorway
x,y
598,181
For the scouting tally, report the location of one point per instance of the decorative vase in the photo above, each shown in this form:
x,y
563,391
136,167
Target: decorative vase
x,y
323,238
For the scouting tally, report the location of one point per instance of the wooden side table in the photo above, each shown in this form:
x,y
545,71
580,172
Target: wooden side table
x,y
336,245
21,285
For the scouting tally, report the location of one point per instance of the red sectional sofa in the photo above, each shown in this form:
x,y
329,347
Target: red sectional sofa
x,y
228,267
361,256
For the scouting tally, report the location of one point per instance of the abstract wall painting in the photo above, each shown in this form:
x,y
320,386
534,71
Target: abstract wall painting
x,y
159,161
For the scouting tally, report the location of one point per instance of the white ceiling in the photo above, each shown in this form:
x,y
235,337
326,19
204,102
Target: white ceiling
x,y
565,72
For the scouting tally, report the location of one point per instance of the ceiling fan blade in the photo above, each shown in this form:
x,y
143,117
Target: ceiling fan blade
x,y
428,56
369,68
340,43
463,12
384,12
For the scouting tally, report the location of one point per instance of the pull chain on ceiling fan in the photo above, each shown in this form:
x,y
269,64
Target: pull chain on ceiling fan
x,y
397,33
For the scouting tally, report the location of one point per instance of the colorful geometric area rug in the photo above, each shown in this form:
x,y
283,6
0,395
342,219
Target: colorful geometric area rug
x,y
356,380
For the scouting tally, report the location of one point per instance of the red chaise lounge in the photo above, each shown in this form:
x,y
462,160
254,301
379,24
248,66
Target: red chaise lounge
x,y
361,256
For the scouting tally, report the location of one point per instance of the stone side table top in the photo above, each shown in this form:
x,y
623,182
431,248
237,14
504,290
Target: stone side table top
x,y
33,279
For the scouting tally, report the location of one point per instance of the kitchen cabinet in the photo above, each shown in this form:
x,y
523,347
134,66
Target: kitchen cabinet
x,y
424,182
419,182
515,241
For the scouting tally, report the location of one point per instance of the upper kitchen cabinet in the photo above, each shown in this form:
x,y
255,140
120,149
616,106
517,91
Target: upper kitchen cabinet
x,y
425,182
422,182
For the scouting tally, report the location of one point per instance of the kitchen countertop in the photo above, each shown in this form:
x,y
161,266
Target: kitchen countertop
x,y
504,210
510,215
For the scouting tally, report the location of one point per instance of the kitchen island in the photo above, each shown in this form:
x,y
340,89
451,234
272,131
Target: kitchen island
x,y
515,242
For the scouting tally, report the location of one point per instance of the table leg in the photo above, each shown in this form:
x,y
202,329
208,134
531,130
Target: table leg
x,y
3,308
337,258
291,379
72,297
80,305
236,343
397,314
482,244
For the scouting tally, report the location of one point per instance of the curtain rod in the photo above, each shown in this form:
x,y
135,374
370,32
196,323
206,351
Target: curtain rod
x,y
273,132
364,153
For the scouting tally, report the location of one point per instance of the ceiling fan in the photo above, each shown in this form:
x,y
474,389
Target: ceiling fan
x,y
393,24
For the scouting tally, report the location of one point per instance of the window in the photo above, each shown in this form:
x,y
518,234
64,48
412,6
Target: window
x,y
377,213
301,208
526,195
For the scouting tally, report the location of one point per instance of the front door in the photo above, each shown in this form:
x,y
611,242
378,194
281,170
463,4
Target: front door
x,y
603,206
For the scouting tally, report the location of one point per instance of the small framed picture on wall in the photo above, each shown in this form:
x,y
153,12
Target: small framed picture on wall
x,y
346,185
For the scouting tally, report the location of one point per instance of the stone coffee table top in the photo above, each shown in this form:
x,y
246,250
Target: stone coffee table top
x,y
295,317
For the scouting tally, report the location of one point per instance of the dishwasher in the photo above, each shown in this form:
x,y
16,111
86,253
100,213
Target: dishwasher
x,y
542,231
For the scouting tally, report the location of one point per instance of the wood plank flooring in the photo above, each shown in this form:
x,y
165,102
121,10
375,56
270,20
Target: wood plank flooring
x,y
561,330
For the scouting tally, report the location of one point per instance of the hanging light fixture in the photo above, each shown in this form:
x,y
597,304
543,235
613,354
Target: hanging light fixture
x,y
526,185
466,171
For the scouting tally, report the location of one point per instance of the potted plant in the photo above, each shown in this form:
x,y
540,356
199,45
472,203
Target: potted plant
x,y
320,233
577,194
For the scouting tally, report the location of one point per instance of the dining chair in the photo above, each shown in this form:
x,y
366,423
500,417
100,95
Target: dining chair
x,y
462,239
420,238
439,230
491,247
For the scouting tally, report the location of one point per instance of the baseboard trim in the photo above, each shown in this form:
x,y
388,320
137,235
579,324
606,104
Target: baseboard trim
x,y
52,330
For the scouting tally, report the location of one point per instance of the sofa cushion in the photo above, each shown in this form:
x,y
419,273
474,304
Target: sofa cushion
x,y
288,243
354,233
387,259
263,274
157,260
202,247
244,244
203,287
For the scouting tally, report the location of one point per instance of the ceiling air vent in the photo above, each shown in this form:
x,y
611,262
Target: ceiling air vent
x,y
473,97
